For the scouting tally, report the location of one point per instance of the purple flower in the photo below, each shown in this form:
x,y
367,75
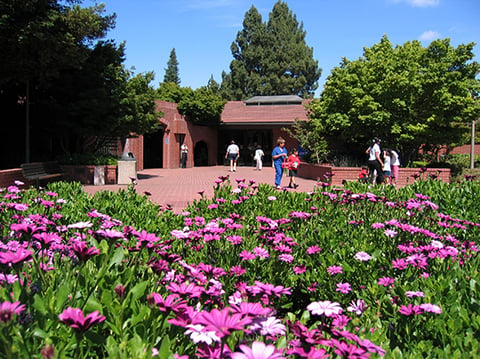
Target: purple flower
x,y
327,308
412,294
390,233
8,309
268,326
74,318
313,249
357,307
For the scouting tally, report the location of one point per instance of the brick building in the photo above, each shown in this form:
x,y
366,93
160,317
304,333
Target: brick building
x,y
257,121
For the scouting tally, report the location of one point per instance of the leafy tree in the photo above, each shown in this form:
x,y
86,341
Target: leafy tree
x,y
408,95
271,58
202,106
171,72
76,84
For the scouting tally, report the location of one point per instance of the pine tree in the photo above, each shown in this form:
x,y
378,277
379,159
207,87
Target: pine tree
x,y
271,58
171,72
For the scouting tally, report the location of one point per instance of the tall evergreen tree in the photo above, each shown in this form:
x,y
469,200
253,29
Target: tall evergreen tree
x,y
171,72
271,58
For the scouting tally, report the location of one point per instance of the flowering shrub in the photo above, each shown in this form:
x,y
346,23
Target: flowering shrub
x,y
250,273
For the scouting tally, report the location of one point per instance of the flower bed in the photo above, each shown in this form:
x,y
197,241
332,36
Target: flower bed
x,y
252,273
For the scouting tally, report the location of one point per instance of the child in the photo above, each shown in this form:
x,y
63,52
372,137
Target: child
x,y
293,163
258,158
387,169
363,175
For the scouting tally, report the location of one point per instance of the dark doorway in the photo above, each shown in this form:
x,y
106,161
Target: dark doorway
x,y
247,140
153,150
201,154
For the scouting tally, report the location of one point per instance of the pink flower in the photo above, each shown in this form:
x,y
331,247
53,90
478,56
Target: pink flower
x,y
362,256
75,319
222,322
386,281
83,253
286,258
327,308
258,351
8,309
343,288
334,270
268,326
431,308
19,256
198,334
313,249
390,233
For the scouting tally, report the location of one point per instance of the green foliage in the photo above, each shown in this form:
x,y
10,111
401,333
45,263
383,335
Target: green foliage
x,y
202,106
87,158
271,58
171,72
54,53
407,95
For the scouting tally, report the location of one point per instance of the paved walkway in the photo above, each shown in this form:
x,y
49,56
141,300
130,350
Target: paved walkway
x,y
181,186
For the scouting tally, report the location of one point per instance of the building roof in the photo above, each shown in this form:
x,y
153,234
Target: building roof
x,y
274,100
260,110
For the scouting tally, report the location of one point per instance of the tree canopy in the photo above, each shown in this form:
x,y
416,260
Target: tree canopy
x,y
202,106
271,58
58,71
408,95
171,72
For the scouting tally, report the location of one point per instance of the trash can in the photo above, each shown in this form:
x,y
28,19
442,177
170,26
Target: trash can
x,y
127,168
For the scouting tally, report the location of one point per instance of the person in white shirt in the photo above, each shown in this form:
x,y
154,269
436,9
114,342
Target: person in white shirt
x,y
183,155
387,168
375,163
258,158
395,166
233,152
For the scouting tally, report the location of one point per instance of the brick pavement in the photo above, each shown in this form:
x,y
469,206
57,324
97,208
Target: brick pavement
x,y
181,186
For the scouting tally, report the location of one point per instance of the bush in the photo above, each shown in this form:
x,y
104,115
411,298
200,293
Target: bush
x,y
88,158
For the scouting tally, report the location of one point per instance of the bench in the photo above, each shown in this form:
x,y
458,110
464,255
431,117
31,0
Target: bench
x,y
38,171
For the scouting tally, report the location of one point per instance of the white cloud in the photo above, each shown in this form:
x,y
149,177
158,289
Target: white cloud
x,y
420,3
429,35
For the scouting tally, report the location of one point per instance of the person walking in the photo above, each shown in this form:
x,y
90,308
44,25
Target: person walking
x,y
279,154
375,163
387,168
258,158
395,167
183,155
293,164
233,152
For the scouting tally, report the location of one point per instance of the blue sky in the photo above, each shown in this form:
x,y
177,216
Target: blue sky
x,y
201,31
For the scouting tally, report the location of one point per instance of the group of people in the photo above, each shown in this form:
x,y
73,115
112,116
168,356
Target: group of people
x,y
282,160
382,165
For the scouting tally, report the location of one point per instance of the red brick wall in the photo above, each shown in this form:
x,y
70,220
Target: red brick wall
x,y
405,175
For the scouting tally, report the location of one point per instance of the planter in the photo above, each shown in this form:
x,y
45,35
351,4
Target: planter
x,y
90,174
341,174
